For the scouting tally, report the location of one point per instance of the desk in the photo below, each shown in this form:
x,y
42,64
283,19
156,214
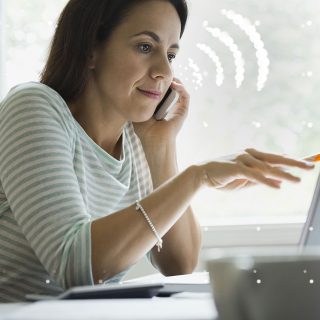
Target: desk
x,y
9,308
180,307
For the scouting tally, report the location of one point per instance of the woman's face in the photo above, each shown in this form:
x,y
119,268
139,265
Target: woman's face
x,y
132,72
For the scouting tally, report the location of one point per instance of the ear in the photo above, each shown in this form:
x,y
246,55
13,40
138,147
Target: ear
x,y
92,60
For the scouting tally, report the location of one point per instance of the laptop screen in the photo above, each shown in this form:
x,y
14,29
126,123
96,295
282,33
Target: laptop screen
x,y
310,235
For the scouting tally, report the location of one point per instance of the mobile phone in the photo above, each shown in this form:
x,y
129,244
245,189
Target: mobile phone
x,y
168,101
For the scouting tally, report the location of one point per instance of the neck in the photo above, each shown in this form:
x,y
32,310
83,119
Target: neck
x,y
104,127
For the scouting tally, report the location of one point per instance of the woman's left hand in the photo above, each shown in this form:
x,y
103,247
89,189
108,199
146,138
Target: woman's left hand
x,y
153,132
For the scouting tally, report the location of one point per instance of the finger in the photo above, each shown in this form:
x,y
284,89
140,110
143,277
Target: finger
x,y
252,162
268,169
179,87
282,174
234,185
256,177
177,80
278,159
184,98
238,184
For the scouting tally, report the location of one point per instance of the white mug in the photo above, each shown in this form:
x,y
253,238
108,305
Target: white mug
x,y
266,283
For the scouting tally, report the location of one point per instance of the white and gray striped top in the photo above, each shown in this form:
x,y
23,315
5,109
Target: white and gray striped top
x,y
54,180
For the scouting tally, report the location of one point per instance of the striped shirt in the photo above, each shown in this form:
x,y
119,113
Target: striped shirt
x,y
54,181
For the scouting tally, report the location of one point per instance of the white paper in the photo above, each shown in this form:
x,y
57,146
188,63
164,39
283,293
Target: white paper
x,y
193,278
119,309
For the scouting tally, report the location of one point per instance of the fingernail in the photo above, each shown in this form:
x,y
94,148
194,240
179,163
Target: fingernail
x,y
277,184
309,164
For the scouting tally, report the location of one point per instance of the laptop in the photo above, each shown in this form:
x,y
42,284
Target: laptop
x,y
310,235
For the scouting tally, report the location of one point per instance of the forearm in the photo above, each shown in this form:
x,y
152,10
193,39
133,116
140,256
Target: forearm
x,y
182,243
121,239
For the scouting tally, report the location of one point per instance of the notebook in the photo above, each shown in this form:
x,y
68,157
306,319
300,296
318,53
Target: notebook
x,y
144,287
103,291
197,282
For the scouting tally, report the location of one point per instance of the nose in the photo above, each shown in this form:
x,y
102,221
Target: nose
x,y
161,68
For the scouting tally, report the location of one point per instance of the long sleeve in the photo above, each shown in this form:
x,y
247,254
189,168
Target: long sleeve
x,y
39,181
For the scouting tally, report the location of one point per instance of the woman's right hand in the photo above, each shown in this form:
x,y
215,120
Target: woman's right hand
x,y
249,168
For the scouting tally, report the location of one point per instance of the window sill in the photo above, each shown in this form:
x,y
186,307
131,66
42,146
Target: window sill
x,y
254,234
231,235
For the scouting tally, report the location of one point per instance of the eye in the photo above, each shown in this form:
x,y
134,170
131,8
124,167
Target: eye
x,y
145,47
171,57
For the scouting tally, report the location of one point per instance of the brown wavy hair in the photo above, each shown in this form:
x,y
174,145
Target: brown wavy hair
x,y
83,26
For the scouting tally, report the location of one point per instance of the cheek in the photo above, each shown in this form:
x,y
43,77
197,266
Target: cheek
x,y
130,70
119,78
127,76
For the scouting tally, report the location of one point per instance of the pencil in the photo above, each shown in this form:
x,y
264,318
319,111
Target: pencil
x,y
315,158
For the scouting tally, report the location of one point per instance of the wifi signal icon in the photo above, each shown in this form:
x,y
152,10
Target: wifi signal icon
x,y
226,39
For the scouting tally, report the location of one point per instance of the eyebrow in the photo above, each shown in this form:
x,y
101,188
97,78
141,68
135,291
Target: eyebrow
x,y
155,37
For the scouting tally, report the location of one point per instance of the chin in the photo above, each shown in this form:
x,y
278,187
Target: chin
x,y
142,117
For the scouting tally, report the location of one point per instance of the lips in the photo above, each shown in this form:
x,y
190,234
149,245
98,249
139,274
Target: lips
x,y
154,94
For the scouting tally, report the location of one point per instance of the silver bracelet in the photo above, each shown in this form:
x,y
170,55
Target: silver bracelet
x,y
139,207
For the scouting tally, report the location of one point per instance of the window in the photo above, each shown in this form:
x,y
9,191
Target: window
x,y
27,31
251,69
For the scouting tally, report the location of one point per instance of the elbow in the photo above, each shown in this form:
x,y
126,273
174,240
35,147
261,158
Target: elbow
x,y
177,271
180,268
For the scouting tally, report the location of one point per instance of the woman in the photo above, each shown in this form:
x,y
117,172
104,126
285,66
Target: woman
x,y
84,192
